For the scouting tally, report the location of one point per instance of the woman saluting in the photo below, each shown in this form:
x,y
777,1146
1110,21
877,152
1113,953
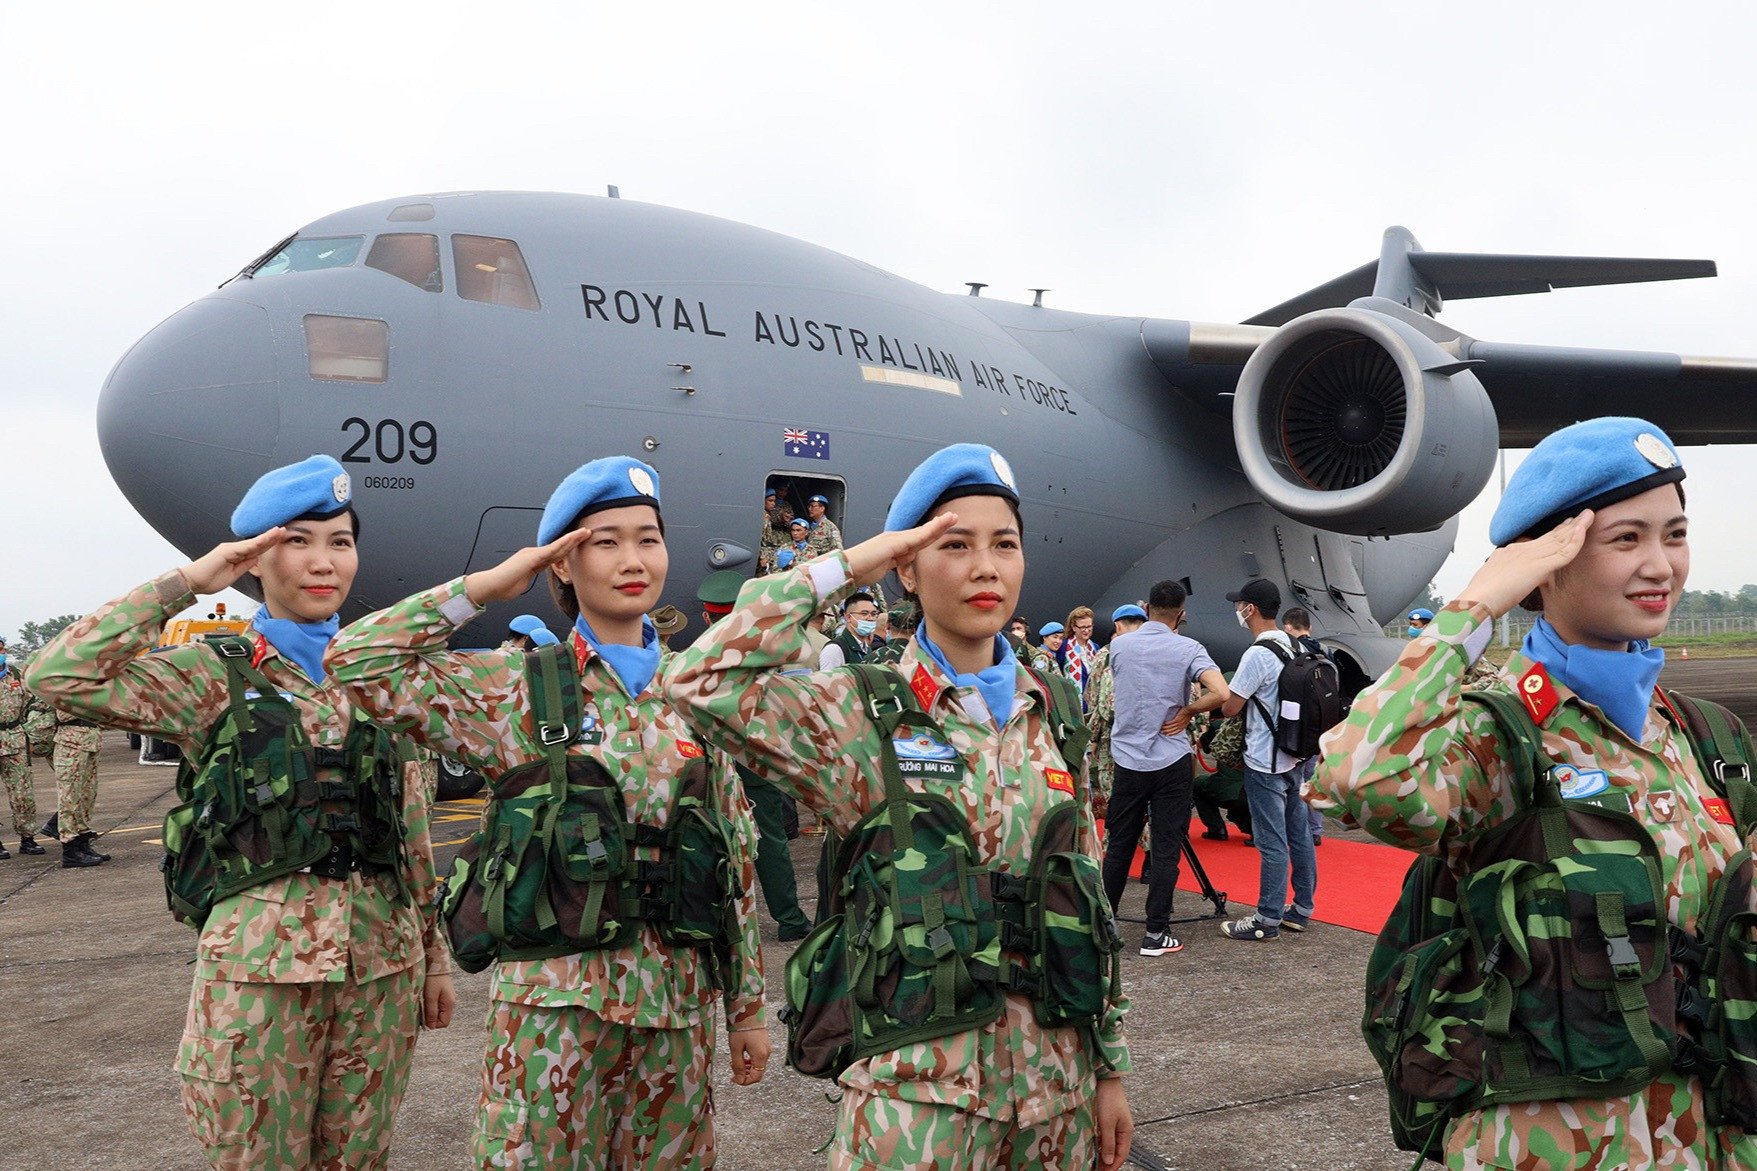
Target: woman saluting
x,y
317,960
599,1049
953,1063
1591,1001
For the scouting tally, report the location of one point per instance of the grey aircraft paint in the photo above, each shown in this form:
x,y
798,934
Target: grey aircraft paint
x,y
700,344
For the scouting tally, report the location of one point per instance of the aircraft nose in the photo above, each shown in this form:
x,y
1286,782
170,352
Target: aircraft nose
x,y
188,418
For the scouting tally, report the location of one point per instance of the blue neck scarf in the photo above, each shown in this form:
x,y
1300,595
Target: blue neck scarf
x,y
1618,683
997,684
303,642
635,666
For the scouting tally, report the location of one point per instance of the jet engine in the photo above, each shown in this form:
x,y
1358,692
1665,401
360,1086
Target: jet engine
x,y
1357,421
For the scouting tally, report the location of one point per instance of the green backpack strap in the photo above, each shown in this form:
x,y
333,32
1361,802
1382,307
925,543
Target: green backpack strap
x,y
1534,783
1723,744
555,706
1066,722
235,654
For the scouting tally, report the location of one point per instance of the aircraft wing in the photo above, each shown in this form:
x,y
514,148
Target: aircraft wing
x,y
1539,389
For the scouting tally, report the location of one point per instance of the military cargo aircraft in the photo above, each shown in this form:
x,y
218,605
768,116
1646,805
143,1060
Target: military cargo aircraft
x,y
460,353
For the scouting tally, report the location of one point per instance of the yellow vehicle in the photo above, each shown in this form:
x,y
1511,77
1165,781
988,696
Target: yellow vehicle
x,y
178,632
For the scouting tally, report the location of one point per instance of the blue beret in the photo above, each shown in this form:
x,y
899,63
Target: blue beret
x,y
768,492
532,627
783,559
312,487
1422,612
823,500
799,522
612,482
963,469
1129,611
1049,628
1589,465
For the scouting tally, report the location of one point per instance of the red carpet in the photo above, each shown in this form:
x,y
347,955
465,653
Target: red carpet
x,y
1358,882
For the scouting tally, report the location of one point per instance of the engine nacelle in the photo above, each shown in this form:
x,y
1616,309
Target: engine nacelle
x,y
1357,422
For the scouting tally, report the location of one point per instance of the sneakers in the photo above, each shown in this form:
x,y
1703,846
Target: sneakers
x,y
1158,945
1293,920
1250,927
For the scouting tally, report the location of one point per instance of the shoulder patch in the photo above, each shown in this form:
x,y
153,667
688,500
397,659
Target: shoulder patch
x,y
1537,693
924,687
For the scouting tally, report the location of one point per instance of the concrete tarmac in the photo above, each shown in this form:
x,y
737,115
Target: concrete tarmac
x,y
1247,1055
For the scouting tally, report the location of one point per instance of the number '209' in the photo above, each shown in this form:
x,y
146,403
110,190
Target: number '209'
x,y
391,441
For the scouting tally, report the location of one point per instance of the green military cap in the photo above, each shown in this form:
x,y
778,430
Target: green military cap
x,y
903,613
720,588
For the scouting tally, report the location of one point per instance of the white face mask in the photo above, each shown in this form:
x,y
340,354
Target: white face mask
x,y
1240,615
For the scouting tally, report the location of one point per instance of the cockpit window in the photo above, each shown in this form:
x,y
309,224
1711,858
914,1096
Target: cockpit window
x,y
408,256
492,270
305,254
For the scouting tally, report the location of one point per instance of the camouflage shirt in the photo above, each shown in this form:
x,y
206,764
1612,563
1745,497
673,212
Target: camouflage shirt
x,y
292,930
810,734
1100,715
21,712
473,708
1413,766
825,538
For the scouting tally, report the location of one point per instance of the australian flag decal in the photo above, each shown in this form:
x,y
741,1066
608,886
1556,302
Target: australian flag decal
x,y
805,444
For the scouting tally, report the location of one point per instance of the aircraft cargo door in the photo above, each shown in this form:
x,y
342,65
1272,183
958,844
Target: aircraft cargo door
x,y
500,533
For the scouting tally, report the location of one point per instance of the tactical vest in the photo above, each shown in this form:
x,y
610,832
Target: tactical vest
x,y
553,870
252,807
1546,971
922,939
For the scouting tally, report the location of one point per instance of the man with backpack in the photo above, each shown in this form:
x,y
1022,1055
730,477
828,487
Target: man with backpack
x,y
1296,623
1278,816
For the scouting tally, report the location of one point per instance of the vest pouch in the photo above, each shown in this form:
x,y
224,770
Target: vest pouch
x,y
1071,925
700,891
819,1018
919,931
1729,984
265,810
466,921
1424,1027
189,867
587,862
1579,999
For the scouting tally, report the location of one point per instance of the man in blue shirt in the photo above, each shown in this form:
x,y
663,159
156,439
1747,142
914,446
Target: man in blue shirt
x,y
1151,670
1278,816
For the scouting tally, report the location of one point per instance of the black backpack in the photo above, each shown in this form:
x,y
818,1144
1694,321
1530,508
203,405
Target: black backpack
x,y
1309,681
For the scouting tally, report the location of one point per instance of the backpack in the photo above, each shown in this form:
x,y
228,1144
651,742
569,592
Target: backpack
x,y
911,929
1546,970
552,871
251,806
1309,694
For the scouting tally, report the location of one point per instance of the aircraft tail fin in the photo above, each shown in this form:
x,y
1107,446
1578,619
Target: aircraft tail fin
x,y
1421,280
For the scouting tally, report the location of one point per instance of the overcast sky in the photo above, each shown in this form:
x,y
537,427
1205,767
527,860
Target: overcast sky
x,y
1177,161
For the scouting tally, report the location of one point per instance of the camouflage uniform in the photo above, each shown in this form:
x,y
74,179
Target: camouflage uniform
x,y
1043,662
307,992
76,774
825,538
1100,716
597,1050
20,713
1011,1085
775,538
1416,768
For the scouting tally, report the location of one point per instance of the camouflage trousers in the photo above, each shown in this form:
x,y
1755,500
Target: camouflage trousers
x,y
76,789
291,1076
21,792
564,1088
886,1134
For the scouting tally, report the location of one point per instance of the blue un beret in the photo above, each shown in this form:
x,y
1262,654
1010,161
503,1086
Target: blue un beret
x,y
312,487
963,469
1049,628
612,482
532,628
1588,465
1129,611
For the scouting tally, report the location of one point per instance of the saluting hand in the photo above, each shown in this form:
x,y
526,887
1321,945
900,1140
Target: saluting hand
x,y
514,576
750,1055
873,558
224,564
1513,571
